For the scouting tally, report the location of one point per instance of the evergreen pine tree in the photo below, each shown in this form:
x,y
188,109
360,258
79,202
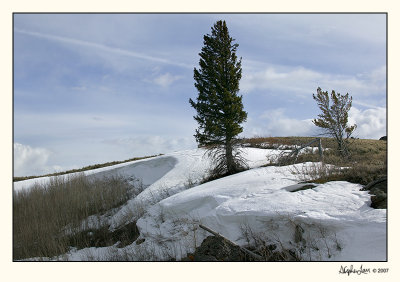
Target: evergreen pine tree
x,y
219,107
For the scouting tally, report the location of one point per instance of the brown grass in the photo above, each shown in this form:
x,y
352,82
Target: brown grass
x,y
273,142
367,160
42,214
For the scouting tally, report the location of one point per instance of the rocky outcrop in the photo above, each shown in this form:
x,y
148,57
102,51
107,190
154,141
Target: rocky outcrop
x,y
216,249
378,191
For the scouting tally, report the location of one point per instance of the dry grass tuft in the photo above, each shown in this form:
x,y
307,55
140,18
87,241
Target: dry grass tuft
x,y
47,217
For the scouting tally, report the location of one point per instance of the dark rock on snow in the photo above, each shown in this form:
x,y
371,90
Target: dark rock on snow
x,y
378,191
216,249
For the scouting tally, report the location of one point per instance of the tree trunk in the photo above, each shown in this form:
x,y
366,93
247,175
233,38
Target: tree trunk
x,y
229,158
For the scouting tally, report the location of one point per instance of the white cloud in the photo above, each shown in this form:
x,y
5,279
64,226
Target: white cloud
x,y
28,160
315,28
364,104
371,123
102,47
149,145
378,74
277,78
277,123
166,79
303,82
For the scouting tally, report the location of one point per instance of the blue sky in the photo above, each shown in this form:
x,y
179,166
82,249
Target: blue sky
x,y
91,88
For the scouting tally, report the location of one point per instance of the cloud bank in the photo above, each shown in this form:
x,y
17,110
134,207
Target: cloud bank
x,y
371,123
299,81
277,123
31,161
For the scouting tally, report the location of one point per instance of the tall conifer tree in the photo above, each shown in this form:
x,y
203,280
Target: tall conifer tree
x,y
219,107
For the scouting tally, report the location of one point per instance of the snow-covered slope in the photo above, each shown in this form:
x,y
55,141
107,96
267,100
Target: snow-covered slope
x,y
334,219
148,170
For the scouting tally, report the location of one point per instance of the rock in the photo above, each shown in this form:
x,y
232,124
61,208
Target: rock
x,y
378,191
216,249
379,200
383,138
140,241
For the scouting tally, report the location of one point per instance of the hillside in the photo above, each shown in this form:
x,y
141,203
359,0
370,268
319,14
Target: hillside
x,y
302,210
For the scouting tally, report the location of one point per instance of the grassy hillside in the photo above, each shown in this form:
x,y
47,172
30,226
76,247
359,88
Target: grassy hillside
x,y
367,160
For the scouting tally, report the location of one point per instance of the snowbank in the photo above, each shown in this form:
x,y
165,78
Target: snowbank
x,y
147,170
